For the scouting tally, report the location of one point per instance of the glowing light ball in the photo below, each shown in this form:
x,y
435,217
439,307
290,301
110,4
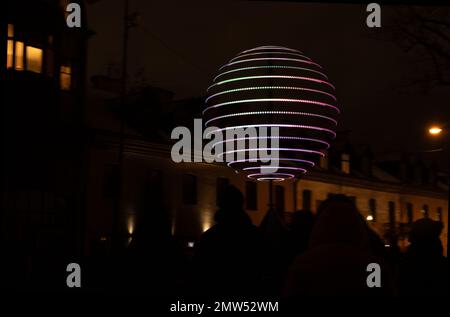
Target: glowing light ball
x,y
273,86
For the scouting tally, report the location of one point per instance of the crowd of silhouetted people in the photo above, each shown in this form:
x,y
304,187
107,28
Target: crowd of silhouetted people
x,y
323,254
326,253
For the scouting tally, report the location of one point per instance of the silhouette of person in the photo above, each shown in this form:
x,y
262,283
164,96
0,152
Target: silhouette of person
x,y
300,228
284,243
279,250
377,247
154,262
228,258
335,262
424,270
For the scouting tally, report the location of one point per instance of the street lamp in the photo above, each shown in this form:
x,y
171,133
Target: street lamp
x,y
441,131
435,130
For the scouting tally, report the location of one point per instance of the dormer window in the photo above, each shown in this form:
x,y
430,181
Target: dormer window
x,y
65,77
345,163
324,162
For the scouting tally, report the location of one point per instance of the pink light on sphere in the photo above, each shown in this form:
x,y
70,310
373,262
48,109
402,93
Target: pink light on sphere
x,y
274,86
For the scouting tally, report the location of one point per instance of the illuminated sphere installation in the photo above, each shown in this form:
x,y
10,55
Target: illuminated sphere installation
x,y
274,86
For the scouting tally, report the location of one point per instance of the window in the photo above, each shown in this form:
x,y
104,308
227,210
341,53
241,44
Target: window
x,y
392,212
65,77
10,47
439,213
189,184
279,198
425,211
10,54
373,209
306,198
20,56
324,162
34,59
221,184
251,199
10,30
345,163
409,213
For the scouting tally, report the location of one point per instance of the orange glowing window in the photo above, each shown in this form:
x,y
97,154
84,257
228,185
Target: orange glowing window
x,y
65,78
10,47
10,30
19,56
34,59
10,54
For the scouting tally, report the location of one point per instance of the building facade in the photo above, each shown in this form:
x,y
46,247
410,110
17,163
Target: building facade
x,y
189,193
42,73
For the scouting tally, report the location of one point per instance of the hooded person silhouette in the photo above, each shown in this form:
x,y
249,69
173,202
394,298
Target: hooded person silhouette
x,y
228,258
424,270
336,259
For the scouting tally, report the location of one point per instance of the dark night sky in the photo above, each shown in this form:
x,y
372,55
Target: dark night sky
x,y
180,45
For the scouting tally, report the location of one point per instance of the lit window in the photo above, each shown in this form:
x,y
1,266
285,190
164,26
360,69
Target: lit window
x,y
34,59
19,56
10,47
10,30
65,77
324,162
345,163
10,54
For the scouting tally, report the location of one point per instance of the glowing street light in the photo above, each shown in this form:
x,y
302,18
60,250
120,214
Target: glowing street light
x,y
369,218
435,130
